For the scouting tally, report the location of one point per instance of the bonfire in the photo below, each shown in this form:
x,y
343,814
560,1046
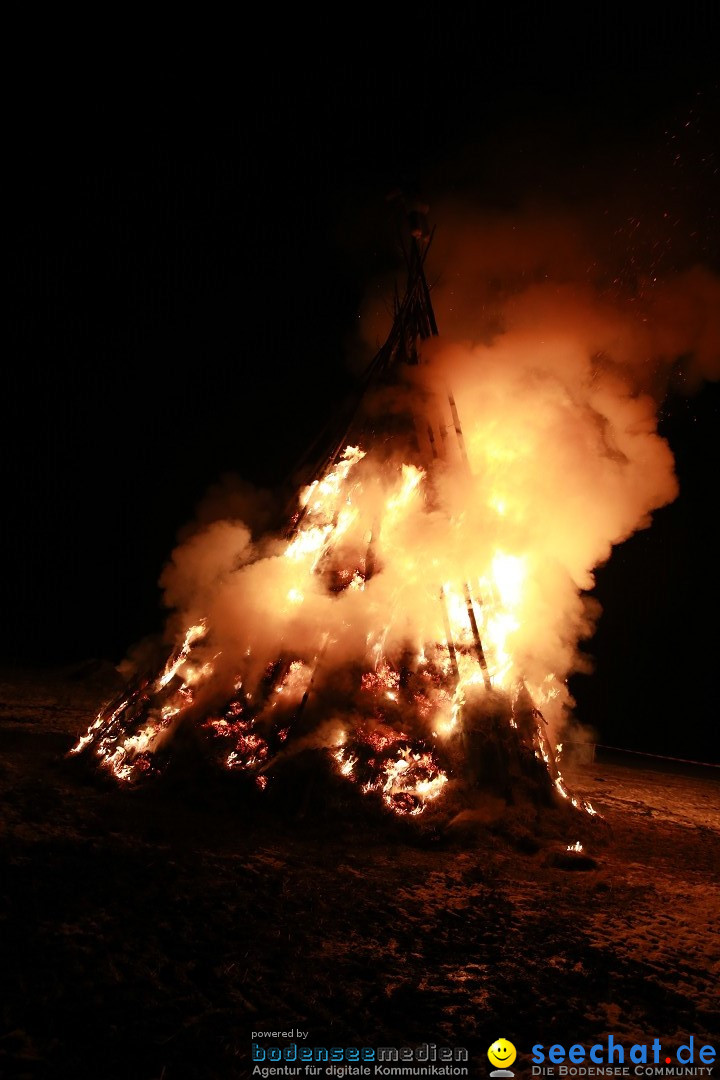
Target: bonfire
x,y
383,627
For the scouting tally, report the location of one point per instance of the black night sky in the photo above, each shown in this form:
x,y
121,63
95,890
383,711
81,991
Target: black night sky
x,y
188,263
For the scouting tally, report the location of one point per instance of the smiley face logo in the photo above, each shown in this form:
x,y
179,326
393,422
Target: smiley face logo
x,y
502,1053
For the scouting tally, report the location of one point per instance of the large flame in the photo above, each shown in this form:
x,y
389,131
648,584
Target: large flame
x,y
328,555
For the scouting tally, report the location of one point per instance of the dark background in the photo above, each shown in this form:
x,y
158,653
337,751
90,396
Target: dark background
x,y
188,265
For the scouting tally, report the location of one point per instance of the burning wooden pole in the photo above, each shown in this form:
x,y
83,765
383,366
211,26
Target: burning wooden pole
x,y
449,636
476,637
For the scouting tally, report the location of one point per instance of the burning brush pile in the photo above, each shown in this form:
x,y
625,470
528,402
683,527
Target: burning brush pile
x,y
417,620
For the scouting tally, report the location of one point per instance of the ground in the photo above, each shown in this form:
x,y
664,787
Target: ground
x,y
148,933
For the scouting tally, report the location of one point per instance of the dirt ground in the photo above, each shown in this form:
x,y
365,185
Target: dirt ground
x,y
147,933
